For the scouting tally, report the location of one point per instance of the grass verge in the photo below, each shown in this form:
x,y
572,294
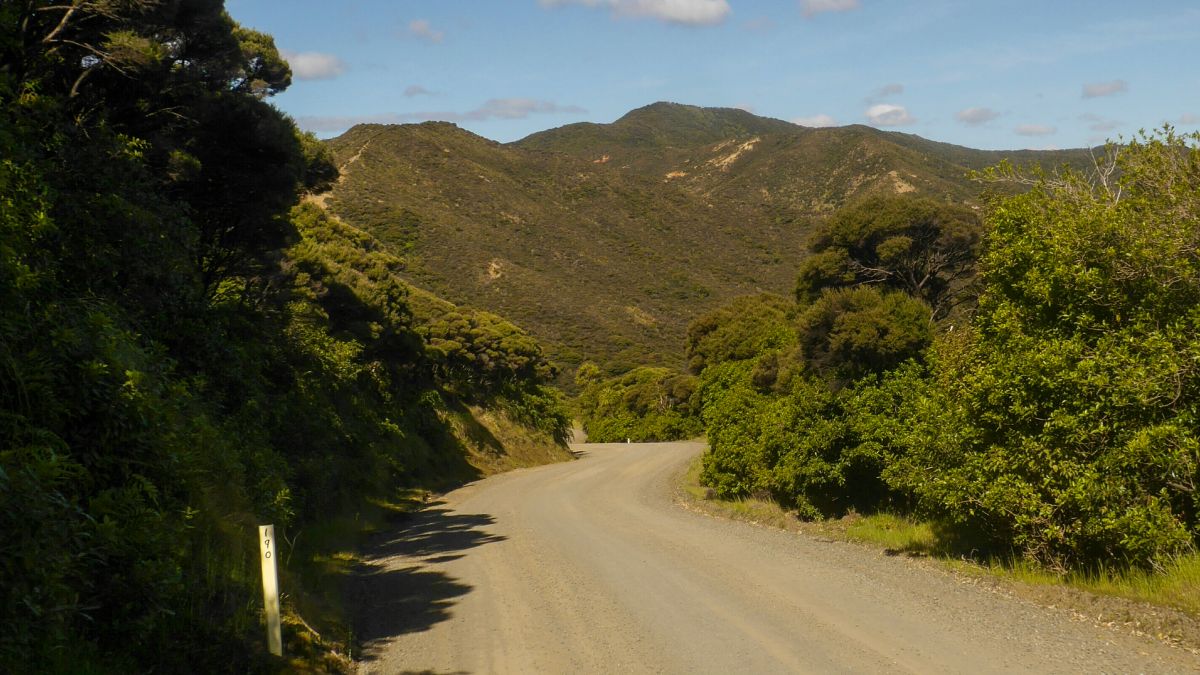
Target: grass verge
x,y
1164,604
316,570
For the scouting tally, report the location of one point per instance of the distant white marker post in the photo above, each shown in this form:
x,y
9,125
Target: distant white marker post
x,y
270,575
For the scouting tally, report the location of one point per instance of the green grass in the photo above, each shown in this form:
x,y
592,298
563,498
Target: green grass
x,y
894,533
1175,585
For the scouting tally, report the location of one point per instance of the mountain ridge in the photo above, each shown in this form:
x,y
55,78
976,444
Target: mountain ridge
x,y
605,240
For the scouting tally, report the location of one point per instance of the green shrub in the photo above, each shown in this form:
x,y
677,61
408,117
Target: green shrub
x,y
853,332
645,404
1078,387
740,329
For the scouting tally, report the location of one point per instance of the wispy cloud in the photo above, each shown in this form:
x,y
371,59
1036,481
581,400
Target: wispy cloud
x,y
493,109
976,116
684,12
416,90
889,115
1098,123
821,120
1034,130
313,65
1097,89
761,24
813,7
886,91
518,108
423,30
1189,118
1080,40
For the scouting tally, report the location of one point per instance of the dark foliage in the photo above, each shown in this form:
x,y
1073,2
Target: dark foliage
x,y
922,247
171,372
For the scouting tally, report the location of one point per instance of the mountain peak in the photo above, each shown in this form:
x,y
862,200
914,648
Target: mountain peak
x,y
658,126
689,124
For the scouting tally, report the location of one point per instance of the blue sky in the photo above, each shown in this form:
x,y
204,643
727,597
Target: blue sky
x,y
992,74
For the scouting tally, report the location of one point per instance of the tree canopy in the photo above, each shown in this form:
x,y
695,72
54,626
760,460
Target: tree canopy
x,y
917,245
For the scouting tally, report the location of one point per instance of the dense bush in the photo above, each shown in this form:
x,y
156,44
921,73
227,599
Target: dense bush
x,y
741,329
181,355
819,451
916,245
645,404
475,356
1060,423
851,332
1078,386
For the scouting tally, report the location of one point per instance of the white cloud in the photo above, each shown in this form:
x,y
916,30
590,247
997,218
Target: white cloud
x,y
821,120
313,65
416,90
813,7
686,12
889,115
1189,118
1034,130
421,28
1096,89
976,116
496,108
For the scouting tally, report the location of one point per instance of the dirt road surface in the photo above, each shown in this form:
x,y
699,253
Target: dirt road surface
x,y
592,567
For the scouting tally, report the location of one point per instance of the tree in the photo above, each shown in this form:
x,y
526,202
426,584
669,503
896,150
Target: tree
x,y
852,332
184,86
124,381
738,330
917,245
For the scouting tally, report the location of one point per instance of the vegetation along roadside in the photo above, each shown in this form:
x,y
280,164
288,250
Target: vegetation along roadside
x,y
1015,389
186,352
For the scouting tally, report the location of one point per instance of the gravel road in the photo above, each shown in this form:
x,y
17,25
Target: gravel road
x,y
591,567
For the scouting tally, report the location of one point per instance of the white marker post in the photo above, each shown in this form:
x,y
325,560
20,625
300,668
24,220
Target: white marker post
x,y
270,574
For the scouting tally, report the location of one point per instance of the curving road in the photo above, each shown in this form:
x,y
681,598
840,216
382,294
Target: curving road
x,y
590,567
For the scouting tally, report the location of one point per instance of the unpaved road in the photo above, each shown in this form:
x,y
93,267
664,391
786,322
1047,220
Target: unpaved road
x,y
590,567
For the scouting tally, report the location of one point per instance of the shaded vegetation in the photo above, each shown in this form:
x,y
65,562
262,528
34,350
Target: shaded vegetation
x,y
182,355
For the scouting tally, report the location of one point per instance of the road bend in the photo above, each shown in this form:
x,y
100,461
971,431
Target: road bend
x,y
593,566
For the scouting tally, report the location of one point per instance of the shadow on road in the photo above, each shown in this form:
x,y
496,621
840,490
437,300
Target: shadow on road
x,y
396,592
435,531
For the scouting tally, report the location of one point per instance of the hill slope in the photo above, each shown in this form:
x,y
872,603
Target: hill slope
x,y
605,240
